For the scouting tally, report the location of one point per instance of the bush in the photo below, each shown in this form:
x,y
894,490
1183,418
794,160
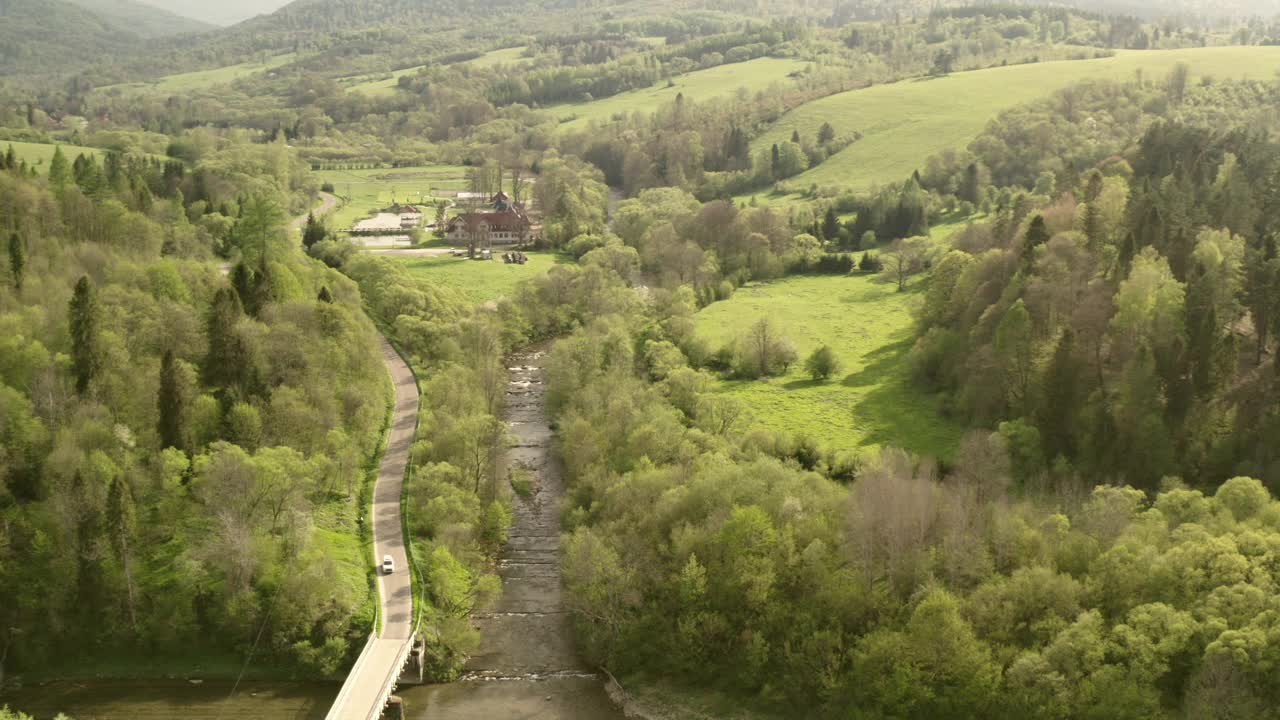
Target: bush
x,y
870,263
822,363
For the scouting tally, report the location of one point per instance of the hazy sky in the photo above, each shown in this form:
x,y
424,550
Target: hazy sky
x,y
219,12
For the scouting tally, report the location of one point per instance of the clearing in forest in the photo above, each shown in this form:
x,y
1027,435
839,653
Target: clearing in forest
x,y
369,190
481,280
39,154
201,79
903,123
871,402
385,83
700,85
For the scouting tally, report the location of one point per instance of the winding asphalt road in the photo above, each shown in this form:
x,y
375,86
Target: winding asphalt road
x,y
327,203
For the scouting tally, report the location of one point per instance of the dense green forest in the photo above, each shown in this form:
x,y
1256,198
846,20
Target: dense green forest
x,y
175,456
1086,295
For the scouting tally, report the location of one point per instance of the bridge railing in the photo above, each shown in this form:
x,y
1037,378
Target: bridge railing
x,y
351,680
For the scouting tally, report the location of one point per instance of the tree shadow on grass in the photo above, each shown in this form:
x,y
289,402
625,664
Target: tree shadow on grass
x,y
802,384
894,412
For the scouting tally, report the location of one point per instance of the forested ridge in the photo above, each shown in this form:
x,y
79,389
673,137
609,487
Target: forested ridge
x,y
1072,318
1100,551
183,452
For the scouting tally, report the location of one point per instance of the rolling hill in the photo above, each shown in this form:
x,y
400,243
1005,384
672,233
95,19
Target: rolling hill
x,y
903,123
143,20
227,12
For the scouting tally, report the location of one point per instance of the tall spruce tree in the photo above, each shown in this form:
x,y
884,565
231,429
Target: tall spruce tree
x,y
221,367
1062,399
173,405
313,232
17,259
59,170
83,318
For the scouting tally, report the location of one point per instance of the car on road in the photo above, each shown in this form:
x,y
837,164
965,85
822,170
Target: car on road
x,y
388,565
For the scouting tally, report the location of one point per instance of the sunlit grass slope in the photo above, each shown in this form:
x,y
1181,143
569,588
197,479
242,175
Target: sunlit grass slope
x,y
702,85
904,123
871,401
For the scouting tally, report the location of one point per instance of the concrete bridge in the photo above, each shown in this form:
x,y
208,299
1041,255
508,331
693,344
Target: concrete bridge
x,y
374,677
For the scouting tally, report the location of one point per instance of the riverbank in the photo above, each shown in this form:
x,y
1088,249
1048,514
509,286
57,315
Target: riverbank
x,y
167,699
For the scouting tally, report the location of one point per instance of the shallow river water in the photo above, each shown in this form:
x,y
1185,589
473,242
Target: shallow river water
x,y
527,666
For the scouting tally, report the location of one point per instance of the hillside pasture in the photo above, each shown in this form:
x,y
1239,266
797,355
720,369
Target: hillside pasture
x,y
701,85
39,154
365,191
871,402
201,79
903,123
378,84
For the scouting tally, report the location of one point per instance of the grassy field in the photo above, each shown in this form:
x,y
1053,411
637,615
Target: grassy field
x,y
383,84
379,84
506,56
207,78
904,123
702,85
39,154
480,280
871,402
370,190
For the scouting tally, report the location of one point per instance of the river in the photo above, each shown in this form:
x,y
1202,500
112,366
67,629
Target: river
x,y
527,665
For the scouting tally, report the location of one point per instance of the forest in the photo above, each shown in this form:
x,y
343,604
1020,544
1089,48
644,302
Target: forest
x,y
997,436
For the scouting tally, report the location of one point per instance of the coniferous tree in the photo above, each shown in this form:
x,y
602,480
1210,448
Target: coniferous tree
x,y
795,136
313,232
59,170
17,259
173,403
221,363
775,160
826,133
83,318
1062,398
325,296
1037,235
830,224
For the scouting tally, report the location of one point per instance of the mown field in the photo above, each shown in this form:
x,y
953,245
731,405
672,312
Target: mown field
x,y
701,85
904,123
39,154
480,280
871,401
207,78
366,191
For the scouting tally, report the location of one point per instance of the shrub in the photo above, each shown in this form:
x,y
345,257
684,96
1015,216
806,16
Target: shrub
x,y
822,363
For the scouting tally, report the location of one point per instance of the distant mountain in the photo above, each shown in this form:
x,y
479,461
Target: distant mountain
x,y
143,20
45,37
223,12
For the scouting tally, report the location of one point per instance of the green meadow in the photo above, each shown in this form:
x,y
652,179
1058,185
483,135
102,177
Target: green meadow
x,y
480,280
366,191
871,401
39,154
207,78
379,83
701,85
383,84
903,123
508,56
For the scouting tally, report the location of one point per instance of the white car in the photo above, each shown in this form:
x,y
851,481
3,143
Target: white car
x,y
388,565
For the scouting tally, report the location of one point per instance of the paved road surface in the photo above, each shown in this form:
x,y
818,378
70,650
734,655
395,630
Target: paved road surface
x,y
327,203
394,590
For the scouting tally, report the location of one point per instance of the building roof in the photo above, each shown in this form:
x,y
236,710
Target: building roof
x,y
501,221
